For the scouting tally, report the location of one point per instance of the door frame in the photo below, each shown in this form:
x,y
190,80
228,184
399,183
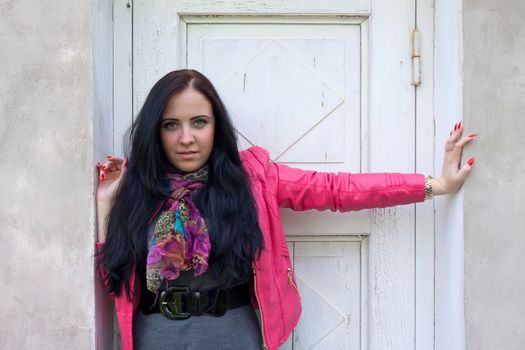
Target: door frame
x,y
440,325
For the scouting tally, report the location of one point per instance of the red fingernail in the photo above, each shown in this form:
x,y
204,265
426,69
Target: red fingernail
x,y
102,177
103,167
108,157
472,135
459,126
470,161
451,133
99,163
455,127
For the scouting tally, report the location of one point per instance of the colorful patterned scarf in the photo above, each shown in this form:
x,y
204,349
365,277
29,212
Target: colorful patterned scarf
x,y
180,239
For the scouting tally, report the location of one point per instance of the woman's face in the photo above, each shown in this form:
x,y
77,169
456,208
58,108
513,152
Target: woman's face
x,y
187,130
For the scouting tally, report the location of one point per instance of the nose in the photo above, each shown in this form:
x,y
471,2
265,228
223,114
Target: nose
x,y
186,138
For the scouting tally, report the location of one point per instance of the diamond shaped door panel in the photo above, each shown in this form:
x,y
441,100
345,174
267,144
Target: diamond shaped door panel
x,y
278,83
328,275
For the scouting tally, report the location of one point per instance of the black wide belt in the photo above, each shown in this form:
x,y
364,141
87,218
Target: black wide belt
x,y
179,302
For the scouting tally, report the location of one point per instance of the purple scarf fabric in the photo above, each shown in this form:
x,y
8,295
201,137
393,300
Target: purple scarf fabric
x,y
180,239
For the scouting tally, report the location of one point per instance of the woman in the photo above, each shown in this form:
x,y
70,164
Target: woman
x,y
190,242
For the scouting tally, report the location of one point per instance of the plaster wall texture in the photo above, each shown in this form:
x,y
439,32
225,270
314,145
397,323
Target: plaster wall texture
x,y
494,209
46,175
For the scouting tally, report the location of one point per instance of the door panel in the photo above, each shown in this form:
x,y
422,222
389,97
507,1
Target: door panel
x,y
328,276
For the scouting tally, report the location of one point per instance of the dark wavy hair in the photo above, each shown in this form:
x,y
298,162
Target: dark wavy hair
x,y
226,202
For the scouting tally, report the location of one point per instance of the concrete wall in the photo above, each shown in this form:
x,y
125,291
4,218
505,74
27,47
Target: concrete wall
x,y
46,175
494,209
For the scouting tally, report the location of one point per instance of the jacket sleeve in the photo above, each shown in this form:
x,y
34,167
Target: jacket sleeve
x,y
101,271
299,189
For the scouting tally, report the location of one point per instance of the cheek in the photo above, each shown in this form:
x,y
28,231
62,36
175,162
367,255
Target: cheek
x,y
209,138
163,139
210,141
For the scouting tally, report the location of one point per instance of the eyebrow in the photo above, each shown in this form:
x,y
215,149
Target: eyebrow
x,y
197,116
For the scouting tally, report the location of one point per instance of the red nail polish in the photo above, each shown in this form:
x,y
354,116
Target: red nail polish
x,y
103,167
108,157
99,163
451,133
455,126
472,135
470,161
102,177
459,126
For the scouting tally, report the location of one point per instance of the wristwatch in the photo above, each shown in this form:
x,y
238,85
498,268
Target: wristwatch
x,y
428,188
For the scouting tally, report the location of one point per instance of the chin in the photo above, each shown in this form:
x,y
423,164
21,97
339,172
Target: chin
x,y
188,168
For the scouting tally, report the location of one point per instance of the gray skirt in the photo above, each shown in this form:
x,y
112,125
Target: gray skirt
x,y
237,329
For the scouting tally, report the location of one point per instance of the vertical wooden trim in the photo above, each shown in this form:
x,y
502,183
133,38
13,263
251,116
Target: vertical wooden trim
x,y
364,167
365,291
102,144
155,45
183,43
391,148
424,224
365,94
122,71
448,107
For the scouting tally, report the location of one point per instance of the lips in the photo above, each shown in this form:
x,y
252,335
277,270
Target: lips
x,y
187,155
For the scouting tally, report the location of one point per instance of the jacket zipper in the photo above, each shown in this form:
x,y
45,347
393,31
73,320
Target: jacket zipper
x,y
290,280
260,309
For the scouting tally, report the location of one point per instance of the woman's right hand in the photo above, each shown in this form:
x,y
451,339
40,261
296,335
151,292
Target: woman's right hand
x,y
110,175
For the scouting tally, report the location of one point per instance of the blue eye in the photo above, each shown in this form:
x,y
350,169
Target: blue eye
x,y
170,125
200,122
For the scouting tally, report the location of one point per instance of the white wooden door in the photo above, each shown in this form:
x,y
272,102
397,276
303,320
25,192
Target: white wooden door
x,y
322,85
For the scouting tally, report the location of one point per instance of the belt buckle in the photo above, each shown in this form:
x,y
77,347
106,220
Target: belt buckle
x,y
173,303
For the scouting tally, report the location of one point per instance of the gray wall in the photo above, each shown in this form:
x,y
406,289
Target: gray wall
x,y
494,105
46,175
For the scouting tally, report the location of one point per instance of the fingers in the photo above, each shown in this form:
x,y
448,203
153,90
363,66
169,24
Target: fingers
x,y
110,166
454,174
461,143
115,160
454,142
465,170
455,135
458,129
454,146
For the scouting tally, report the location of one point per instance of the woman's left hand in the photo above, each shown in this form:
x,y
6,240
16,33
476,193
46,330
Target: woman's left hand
x,y
453,174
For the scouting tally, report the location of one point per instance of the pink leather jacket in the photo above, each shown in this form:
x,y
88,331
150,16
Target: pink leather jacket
x,y
277,186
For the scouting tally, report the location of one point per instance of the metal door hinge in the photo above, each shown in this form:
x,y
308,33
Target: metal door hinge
x,y
416,69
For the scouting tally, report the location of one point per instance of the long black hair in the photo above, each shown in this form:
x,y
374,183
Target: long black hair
x,y
226,202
